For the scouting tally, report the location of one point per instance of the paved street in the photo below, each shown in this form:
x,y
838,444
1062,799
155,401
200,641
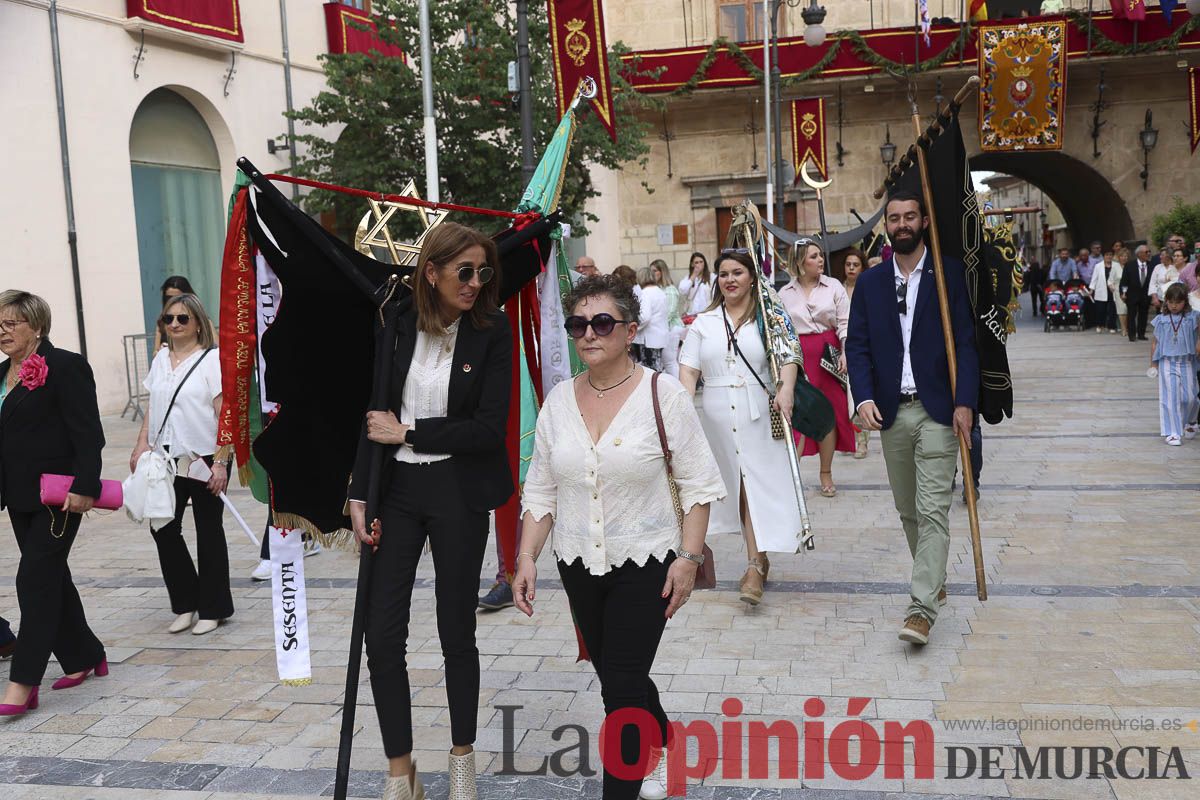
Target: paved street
x,y
1089,528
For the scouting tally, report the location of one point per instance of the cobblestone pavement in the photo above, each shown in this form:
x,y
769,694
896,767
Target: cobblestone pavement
x,y
1089,527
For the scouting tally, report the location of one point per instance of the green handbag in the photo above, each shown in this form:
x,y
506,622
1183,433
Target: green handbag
x,y
812,413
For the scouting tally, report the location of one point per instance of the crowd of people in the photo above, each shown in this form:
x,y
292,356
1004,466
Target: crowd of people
x,y
1125,291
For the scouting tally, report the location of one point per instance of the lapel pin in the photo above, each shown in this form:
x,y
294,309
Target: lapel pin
x,y
466,367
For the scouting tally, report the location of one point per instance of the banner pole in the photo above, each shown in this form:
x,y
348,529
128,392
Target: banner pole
x,y
964,448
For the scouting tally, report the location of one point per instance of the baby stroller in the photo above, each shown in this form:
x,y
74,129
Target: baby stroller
x,y
1073,315
1054,310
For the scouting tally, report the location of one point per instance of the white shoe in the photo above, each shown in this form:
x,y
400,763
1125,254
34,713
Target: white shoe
x,y
654,785
204,626
182,622
262,572
1174,440
1190,431
312,549
462,777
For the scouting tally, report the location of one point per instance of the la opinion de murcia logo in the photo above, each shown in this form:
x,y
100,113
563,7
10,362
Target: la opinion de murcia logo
x,y
578,43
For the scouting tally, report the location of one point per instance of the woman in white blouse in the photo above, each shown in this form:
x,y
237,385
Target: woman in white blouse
x,y
1101,299
820,312
187,431
697,287
446,469
598,479
653,330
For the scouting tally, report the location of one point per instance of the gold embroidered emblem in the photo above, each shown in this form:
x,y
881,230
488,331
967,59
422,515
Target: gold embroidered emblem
x,y
808,125
577,42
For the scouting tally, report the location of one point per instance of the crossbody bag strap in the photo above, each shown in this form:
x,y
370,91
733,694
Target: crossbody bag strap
x,y
666,451
175,396
733,340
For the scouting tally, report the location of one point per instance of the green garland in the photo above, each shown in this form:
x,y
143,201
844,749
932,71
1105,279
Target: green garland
x,y
862,49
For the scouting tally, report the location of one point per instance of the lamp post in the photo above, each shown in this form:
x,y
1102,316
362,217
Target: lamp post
x,y
887,150
1148,136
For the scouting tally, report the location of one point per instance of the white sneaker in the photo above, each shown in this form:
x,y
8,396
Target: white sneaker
x,y
654,786
313,550
262,572
1190,431
1174,440
182,622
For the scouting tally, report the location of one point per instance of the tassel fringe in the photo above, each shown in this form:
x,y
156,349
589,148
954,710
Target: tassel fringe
x,y
340,539
296,681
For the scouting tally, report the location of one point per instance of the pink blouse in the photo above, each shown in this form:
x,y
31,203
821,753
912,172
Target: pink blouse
x,y
827,307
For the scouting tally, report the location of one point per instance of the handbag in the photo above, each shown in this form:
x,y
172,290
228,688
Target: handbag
x,y
829,362
149,492
55,488
706,575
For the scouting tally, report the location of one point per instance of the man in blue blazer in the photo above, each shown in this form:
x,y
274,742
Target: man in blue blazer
x,y
896,356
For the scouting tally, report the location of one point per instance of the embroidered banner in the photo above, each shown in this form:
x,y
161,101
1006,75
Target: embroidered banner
x,y
579,51
1194,104
289,604
237,339
1023,69
808,134
345,34
218,18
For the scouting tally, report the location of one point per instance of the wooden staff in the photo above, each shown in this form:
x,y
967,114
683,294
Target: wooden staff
x,y
935,247
909,159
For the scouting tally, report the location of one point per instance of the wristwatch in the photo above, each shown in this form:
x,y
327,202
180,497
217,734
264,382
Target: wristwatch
x,y
697,559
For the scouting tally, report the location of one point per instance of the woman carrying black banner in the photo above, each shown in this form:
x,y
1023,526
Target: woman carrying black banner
x,y
446,470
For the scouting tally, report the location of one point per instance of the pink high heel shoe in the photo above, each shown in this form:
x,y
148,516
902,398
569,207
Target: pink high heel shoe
x,y
14,710
66,682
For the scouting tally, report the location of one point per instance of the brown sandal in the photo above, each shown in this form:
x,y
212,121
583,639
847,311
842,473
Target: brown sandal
x,y
751,587
830,490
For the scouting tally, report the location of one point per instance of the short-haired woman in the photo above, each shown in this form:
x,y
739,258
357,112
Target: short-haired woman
x,y
820,310
697,287
662,278
599,479
446,469
725,348
49,423
188,371
652,332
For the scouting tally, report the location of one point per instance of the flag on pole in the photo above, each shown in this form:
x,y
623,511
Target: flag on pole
x,y
926,21
979,11
1132,10
1168,9
579,51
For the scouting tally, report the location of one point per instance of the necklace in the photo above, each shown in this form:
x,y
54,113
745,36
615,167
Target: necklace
x,y
600,392
1175,328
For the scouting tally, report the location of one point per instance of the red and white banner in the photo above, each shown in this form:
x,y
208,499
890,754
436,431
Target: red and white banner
x,y
808,134
219,18
579,51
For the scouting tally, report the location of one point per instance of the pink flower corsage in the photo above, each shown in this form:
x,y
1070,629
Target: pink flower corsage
x,y
33,372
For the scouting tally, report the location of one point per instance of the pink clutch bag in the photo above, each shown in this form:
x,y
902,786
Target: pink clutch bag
x,y
55,488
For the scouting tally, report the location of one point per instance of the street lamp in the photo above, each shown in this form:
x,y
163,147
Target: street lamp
x,y
813,16
1149,138
887,150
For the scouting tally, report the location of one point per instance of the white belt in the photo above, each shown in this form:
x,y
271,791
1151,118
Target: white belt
x,y
737,382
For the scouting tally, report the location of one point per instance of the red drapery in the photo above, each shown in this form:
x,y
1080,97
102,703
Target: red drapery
x,y
344,30
221,19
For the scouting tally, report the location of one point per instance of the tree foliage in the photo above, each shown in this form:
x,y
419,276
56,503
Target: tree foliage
x,y
1183,218
366,129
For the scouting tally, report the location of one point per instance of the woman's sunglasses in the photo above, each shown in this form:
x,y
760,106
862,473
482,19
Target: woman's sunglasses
x,y
602,325
182,319
466,273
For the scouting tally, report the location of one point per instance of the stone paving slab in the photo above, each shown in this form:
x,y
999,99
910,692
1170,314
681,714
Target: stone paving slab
x,y
1089,538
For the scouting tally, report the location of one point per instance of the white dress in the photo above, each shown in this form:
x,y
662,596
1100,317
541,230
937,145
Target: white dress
x,y
737,421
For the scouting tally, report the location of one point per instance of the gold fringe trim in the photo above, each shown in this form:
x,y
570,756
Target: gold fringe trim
x,y
340,539
296,681
245,475
223,452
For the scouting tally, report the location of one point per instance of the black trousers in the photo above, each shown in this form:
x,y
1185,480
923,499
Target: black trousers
x,y
425,500
203,586
1136,320
52,618
621,617
1036,298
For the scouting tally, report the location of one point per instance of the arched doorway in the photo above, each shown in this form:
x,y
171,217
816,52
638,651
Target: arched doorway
x,y
177,200
1091,208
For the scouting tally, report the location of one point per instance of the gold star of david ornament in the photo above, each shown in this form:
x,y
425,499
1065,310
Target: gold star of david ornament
x,y
373,228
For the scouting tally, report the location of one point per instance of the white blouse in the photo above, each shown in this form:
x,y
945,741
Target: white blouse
x,y
191,427
427,387
609,499
699,295
652,331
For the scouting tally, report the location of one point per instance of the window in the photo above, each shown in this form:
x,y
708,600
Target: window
x,y
361,5
740,20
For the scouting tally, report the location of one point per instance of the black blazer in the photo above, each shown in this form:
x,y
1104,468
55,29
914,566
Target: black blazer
x,y
475,426
54,428
1136,291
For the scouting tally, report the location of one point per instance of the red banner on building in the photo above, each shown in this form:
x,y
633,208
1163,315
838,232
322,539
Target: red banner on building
x,y
221,19
344,30
1194,104
1133,10
579,51
808,134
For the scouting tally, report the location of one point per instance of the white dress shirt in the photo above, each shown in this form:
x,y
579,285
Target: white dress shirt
x,y
191,427
427,387
908,383
699,295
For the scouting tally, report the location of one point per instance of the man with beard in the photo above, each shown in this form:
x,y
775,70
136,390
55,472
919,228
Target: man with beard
x,y
900,376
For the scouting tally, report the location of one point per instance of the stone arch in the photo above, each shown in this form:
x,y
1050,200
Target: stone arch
x,y
1090,205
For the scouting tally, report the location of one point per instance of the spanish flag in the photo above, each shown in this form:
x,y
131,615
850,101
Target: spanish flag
x,y
979,11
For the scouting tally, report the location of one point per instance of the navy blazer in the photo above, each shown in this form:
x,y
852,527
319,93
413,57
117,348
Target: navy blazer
x,y
54,428
875,345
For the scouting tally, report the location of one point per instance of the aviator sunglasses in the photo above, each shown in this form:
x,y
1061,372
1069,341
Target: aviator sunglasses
x,y
602,325
182,319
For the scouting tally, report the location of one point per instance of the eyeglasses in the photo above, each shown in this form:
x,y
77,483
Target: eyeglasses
x,y
902,298
739,250
10,325
602,325
182,319
466,273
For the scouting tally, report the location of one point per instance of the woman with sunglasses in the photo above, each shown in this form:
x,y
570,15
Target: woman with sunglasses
x,y
599,480
447,468
181,423
725,347
820,311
